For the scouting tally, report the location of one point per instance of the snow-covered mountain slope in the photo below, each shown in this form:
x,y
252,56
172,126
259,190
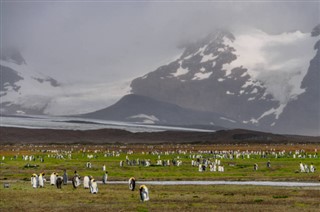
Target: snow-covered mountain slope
x,y
23,90
250,77
141,109
202,79
302,114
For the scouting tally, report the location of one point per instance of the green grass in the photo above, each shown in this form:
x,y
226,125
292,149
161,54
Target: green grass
x,y
282,169
111,197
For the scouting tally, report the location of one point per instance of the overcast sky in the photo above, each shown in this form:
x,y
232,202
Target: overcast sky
x,y
108,41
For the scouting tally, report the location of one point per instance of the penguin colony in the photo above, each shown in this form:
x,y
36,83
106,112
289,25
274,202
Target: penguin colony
x,y
88,183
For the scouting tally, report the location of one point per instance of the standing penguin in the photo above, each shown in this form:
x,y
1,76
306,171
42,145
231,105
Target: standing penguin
x,y
93,186
53,178
59,181
144,193
132,183
86,182
76,180
41,180
302,167
34,180
65,177
105,178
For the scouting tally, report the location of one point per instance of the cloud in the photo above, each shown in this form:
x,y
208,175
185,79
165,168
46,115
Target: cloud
x,y
280,61
111,41
77,99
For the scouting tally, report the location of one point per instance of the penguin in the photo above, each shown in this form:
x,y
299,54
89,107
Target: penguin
x,y
59,181
144,193
34,180
53,178
86,182
302,167
132,183
76,180
93,186
41,180
65,177
105,178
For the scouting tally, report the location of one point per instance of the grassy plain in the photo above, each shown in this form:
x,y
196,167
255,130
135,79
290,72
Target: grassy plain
x,y
21,197
113,197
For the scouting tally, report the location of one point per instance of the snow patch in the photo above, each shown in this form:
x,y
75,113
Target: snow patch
x,y
201,76
148,119
201,50
188,57
226,119
228,68
244,74
275,111
144,77
206,58
220,49
255,90
229,93
221,80
252,83
180,71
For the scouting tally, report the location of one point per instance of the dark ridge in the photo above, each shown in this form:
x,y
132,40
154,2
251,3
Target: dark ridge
x,y
10,135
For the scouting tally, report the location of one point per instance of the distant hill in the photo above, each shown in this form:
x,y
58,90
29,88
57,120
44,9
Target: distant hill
x,y
142,109
104,136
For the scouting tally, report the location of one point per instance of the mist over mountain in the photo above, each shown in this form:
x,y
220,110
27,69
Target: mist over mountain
x,y
302,115
22,90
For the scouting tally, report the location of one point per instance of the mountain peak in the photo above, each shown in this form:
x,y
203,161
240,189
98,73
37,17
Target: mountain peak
x,y
12,54
211,44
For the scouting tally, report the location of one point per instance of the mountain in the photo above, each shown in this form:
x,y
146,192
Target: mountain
x,y
22,90
252,79
142,109
202,79
302,115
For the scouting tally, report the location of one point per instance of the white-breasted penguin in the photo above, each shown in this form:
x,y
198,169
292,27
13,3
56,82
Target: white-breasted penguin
x,y
86,182
53,178
41,180
132,183
144,193
93,186
34,180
